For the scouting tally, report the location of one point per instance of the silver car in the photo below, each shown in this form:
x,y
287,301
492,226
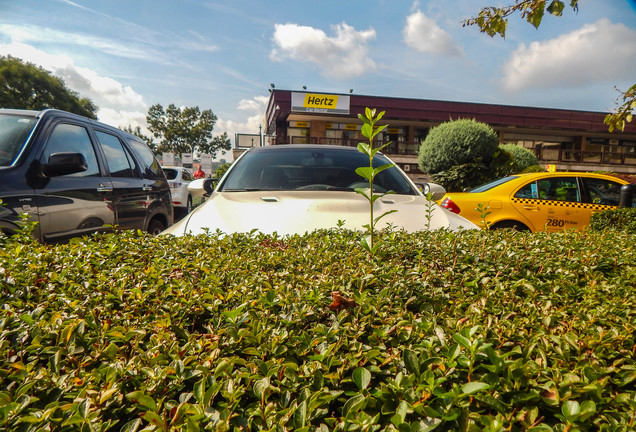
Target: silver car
x,y
295,189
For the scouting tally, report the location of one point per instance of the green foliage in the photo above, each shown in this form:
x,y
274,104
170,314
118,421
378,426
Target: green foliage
x,y
522,158
219,142
533,169
185,130
494,20
615,220
221,170
469,331
467,176
461,177
457,142
369,131
26,86
471,174
624,112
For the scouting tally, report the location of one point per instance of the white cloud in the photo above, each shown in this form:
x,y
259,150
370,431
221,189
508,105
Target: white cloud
x,y
254,104
424,35
36,35
342,56
251,125
602,51
122,119
119,105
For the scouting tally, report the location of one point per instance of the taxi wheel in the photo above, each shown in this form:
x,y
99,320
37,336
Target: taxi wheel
x,y
515,225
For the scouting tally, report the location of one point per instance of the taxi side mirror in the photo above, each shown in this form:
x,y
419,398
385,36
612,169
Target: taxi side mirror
x,y
626,199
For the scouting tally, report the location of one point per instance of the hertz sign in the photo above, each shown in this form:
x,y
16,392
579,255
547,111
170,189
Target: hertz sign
x,y
320,103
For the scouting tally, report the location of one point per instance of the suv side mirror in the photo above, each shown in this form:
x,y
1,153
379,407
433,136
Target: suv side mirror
x,y
60,164
627,196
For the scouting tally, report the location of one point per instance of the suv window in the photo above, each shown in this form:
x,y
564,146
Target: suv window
x,y
118,159
601,191
150,167
75,139
186,175
170,173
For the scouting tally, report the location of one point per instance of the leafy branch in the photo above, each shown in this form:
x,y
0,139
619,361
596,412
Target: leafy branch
x,y
369,131
624,112
494,20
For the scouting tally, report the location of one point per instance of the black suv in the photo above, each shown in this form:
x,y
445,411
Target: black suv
x,y
75,176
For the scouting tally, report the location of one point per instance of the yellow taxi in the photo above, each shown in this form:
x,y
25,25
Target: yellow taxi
x,y
552,201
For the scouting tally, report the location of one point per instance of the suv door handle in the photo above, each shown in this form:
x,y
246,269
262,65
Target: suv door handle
x,y
102,188
146,188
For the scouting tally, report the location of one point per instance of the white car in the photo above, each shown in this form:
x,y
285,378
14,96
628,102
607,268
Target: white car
x,y
179,178
295,189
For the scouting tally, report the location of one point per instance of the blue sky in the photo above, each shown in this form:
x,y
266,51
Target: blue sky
x,y
129,54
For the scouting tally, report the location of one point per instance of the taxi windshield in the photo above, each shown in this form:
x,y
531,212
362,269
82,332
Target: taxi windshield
x,y
492,184
14,131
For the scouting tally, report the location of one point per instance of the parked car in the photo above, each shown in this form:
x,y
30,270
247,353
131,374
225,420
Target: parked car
x,y
294,189
75,176
179,178
551,201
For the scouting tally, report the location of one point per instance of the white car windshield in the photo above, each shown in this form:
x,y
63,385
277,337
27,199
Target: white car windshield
x,y
14,131
308,169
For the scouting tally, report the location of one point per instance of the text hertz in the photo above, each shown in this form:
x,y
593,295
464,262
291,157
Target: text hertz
x,y
326,101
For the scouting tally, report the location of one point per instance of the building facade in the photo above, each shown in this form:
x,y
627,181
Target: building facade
x,y
570,140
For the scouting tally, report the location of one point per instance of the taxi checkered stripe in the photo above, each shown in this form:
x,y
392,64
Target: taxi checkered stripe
x,y
562,203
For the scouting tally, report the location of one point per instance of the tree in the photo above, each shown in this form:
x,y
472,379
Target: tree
x,y
494,20
139,134
221,142
185,130
522,158
26,86
463,153
457,142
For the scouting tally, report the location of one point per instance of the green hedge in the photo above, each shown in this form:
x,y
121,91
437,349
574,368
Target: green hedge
x,y
618,220
475,331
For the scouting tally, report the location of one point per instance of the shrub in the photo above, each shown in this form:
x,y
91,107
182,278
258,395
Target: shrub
x,y
466,176
449,331
522,158
221,169
618,220
457,142
533,169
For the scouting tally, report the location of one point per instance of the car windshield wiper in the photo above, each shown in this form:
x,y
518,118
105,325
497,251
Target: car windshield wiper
x,y
249,189
240,190
340,188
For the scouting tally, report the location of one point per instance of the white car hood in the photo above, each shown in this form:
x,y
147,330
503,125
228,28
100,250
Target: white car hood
x,y
299,212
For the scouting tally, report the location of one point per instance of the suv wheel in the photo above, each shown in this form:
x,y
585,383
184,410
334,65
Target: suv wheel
x,y
156,226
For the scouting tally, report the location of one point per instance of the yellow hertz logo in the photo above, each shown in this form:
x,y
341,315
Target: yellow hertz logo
x,y
320,101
